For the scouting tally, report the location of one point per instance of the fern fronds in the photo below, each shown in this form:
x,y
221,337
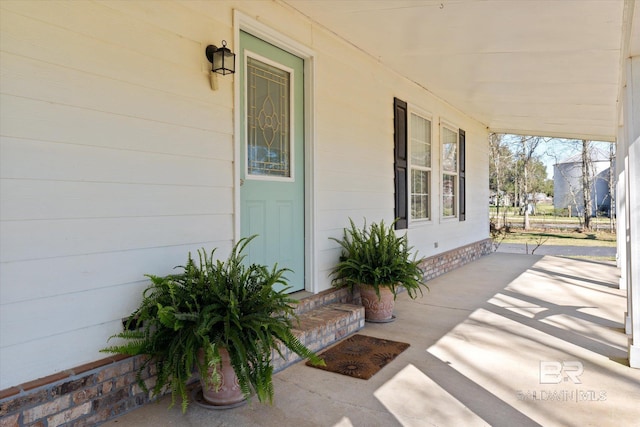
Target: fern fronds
x,y
375,255
209,305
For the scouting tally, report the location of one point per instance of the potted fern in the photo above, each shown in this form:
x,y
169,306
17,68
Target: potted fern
x,y
378,262
222,318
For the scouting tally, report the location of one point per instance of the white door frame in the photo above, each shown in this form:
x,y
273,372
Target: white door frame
x,y
243,22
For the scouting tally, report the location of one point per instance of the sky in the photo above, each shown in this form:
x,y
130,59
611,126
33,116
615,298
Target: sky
x,y
556,150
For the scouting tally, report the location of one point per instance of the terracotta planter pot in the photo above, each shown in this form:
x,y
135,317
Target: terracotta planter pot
x,y
228,393
377,309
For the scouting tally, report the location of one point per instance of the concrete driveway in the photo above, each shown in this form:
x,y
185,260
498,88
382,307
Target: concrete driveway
x,y
509,340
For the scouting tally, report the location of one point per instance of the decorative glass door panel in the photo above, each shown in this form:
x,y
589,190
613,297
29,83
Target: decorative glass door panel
x,y
268,120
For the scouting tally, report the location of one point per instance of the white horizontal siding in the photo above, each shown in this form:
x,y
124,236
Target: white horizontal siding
x,y
55,353
117,159
63,200
71,162
348,200
98,40
31,240
38,120
332,222
48,277
366,181
61,85
37,319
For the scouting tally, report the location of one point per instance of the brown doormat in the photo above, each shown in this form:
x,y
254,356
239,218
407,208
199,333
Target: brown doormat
x,y
360,356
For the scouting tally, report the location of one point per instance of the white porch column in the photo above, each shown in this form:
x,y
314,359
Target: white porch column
x,y
621,209
632,125
621,204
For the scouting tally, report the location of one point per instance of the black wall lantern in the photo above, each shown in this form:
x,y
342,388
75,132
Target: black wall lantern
x,y
223,60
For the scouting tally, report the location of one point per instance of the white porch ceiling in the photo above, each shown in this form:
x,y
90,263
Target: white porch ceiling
x,y
529,67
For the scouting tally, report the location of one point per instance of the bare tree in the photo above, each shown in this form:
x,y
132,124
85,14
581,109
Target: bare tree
x,y
526,149
587,182
611,184
583,181
571,196
500,160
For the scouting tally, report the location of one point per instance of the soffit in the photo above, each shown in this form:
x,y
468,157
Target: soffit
x,y
527,67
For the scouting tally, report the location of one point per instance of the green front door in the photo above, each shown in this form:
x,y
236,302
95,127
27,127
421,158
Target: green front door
x,y
272,156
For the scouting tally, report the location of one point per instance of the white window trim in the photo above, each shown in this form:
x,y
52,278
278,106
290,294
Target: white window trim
x,y
450,126
419,221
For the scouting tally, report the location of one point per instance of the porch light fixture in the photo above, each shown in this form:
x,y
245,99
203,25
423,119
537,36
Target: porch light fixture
x,y
222,59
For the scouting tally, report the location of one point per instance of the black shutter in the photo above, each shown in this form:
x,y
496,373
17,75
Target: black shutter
x,y
461,177
400,162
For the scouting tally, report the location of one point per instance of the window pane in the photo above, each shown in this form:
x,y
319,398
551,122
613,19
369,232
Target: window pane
x,y
448,195
420,141
449,150
268,139
419,194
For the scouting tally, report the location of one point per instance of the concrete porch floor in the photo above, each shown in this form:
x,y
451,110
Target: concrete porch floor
x,y
477,342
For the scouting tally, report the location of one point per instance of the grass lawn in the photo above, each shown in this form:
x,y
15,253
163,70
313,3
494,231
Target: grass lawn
x,y
536,238
546,231
545,214
562,238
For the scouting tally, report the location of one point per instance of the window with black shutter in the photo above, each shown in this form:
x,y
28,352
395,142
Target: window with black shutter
x,y
461,178
400,162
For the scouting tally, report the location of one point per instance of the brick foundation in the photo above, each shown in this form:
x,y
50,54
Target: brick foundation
x,y
97,392
84,396
91,394
440,264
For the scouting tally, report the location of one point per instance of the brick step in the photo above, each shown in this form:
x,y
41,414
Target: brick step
x,y
320,327
307,301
